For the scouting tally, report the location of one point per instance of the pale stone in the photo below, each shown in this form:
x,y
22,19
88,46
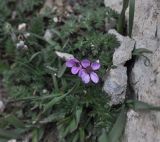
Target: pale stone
x,y
64,56
116,84
48,35
22,27
124,52
144,126
2,106
114,4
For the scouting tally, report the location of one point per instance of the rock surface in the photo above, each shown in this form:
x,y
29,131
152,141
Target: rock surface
x,y
116,84
145,126
124,52
114,4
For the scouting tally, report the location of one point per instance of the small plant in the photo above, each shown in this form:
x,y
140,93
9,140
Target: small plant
x,y
85,69
49,93
43,88
122,22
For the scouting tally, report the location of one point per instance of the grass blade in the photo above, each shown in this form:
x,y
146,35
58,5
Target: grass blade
x,y
138,105
131,16
53,102
118,128
121,21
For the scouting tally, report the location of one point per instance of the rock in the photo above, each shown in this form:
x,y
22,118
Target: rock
x,y
64,56
114,4
21,45
48,35
55,19
22,27
116,84
2,106
124,52
146,79
144,126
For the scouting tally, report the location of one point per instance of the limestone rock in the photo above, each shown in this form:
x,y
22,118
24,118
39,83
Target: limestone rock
x,y
124,52
144,126
2,106
146,79
114,4
116,84
64,56
48,35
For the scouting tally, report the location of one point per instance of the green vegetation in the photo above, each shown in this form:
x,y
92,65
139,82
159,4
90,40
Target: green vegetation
x,y
42,92
43,96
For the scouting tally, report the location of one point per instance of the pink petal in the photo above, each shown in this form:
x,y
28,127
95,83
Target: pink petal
x,y
81,72
95,66
85,78
72,62
94,77
75,70
85,63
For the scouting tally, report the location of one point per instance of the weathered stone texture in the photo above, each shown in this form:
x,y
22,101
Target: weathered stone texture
x,y
145,126
116,84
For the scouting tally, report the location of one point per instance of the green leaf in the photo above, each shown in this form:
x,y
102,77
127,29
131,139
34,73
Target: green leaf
x,y
3,67
6,134
72,126
54,101
37,25
34,55
53,118
139,105
51,68
13,120
34,135
140,51
76,137
103,137
82,134
37,134
131,16
118,128
78,114
121,20
61,71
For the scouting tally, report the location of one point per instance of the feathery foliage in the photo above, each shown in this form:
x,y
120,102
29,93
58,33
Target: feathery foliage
x,y
42,92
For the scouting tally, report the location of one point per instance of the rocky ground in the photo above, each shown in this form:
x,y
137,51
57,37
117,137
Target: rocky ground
x,y
145,78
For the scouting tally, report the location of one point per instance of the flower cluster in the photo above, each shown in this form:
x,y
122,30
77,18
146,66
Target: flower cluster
x,y
85,69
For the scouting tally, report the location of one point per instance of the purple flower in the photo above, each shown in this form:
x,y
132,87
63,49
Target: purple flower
x,y
75,65
87,73
85,69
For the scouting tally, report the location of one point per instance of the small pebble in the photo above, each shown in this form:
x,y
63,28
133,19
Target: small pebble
x,y
22,27
2,106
